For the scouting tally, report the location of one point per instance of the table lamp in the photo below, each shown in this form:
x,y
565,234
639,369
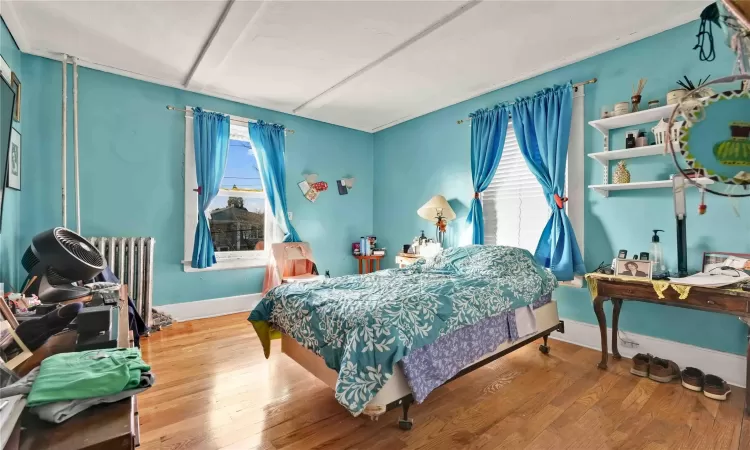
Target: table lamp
x,y
438,211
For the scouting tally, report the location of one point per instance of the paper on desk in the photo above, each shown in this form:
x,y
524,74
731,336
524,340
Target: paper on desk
x,y
706,280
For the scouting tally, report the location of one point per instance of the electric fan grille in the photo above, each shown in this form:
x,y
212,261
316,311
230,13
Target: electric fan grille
x,y
29,260
79,247
55,278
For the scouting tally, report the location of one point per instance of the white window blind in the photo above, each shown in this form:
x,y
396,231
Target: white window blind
x,y
515,209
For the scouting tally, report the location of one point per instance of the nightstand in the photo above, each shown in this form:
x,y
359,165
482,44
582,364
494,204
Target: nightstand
x,y
406,259
366,263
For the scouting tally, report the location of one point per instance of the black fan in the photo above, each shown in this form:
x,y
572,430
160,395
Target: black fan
x,y
57,258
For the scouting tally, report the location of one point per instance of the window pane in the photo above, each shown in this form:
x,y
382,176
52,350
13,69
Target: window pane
x,y
237,222
242,168
515,208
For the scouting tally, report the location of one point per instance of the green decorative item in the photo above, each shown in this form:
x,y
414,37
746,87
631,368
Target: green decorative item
x,y
715,140
735,151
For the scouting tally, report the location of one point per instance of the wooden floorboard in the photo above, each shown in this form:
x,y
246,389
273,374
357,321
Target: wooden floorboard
x,y
215,390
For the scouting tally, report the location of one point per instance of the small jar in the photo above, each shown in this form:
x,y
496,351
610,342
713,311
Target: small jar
x,y
641,140
621,108
653,104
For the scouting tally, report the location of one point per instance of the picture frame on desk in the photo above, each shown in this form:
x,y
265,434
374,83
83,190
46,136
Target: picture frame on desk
x,y
7,333
634,268
716,260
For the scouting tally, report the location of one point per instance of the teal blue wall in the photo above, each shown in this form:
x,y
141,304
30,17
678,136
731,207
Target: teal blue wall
x,y
430,155
10,242
131,161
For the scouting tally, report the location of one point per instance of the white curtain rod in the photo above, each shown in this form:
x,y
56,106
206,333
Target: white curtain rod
x,y
242,121
582,83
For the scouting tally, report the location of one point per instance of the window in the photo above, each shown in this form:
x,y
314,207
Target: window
x,y
515,208
240,227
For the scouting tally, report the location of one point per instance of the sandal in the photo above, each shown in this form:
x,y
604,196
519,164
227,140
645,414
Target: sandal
x,y
693,379
640,364
716,388
663,370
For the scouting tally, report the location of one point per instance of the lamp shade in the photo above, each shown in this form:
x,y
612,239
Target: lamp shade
x,y
437,206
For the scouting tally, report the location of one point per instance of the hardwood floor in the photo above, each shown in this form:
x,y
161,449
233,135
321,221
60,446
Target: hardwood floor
x,y
215,390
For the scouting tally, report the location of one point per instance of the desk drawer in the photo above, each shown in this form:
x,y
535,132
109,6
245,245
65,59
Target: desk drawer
x,y
699,298
718,303
633,291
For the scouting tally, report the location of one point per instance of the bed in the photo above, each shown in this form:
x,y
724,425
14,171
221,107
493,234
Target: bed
x,y
387,339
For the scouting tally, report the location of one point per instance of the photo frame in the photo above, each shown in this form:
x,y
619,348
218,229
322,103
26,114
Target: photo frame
x,y
715,260
15,85
13,176
634,268
15,361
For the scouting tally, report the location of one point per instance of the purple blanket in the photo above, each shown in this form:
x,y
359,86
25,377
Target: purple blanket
x,y
429,367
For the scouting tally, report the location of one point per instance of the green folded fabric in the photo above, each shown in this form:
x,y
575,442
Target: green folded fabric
x,y
93,373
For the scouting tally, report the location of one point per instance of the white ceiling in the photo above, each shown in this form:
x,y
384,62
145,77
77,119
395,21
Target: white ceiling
x,y
361,64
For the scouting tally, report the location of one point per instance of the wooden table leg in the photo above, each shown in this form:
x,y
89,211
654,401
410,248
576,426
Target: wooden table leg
x,y
616,305
377,264
360,267
602,319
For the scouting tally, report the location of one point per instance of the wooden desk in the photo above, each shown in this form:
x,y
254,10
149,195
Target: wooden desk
x,y
112,426
617,290
367,262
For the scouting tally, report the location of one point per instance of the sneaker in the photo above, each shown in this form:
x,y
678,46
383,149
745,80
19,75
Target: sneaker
x,y
663,370
692,379
716,388
640,364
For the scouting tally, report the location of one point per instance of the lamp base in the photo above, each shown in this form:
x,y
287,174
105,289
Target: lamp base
x,y
439,236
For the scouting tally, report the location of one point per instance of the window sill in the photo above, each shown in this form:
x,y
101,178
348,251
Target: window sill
x,y
228,264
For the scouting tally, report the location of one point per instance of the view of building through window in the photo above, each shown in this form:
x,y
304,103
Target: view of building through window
x,y
237,214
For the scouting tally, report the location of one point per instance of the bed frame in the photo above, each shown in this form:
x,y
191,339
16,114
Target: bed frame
x,y
396,391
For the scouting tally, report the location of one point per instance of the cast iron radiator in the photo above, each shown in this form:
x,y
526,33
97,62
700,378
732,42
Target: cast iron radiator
x,y
132,260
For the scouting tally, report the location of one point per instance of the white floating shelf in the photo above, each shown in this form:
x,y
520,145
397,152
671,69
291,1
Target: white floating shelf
x,y
649,150
636,118
605,188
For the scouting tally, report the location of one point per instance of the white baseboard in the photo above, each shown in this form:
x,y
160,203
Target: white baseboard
x,y
728,366
202,309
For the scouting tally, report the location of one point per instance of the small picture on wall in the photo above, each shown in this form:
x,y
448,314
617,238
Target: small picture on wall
x,y
633,268
14,160
15,84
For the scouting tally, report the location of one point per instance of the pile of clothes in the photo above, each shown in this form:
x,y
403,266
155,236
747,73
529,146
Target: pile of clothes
x,y
68,383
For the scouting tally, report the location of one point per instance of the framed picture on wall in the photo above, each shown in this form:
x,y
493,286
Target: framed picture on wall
x,y
637,268
14,160
15,84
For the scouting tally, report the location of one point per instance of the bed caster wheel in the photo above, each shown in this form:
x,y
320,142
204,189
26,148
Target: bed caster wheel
x,y
544,349
405,424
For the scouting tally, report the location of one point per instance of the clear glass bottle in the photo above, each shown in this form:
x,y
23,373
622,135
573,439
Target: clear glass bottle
x,y
657,255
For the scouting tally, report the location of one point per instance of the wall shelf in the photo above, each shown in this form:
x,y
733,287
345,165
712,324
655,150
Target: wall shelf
x,y
649,150
604,189
636,118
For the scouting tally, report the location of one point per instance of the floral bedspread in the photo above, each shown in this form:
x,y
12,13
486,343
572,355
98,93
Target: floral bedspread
x,y
362,325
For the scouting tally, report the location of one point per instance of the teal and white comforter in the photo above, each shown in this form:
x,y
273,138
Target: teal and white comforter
x,y
362,325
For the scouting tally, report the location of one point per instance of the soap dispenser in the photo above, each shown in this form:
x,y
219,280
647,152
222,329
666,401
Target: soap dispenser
x,y
657,254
